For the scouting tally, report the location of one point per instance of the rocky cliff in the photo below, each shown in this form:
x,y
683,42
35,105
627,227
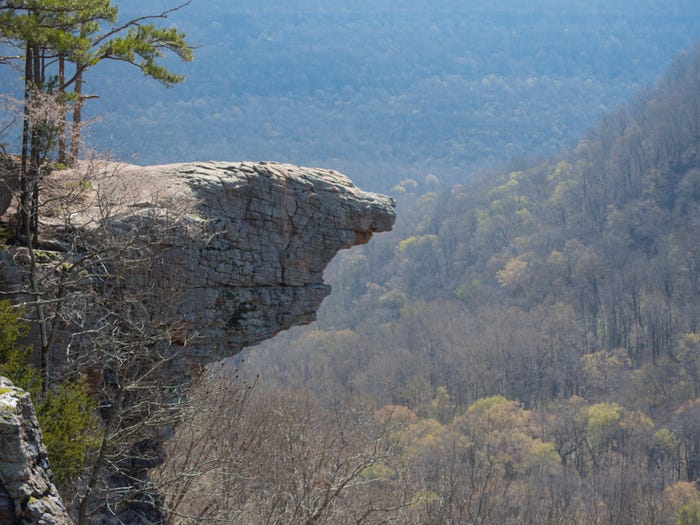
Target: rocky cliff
x,y
234,251
246,242
27,494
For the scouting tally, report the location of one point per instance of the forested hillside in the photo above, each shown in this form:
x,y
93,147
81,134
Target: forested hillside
x,y
385,90
536,332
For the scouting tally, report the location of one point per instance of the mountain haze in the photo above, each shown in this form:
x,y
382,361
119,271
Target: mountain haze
x,y
387,90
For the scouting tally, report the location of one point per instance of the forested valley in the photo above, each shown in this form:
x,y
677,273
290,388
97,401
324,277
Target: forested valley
x,y
385,90
531,338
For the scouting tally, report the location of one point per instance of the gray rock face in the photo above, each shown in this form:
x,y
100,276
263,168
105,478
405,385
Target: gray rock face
x,y
255,241
9,182
27,494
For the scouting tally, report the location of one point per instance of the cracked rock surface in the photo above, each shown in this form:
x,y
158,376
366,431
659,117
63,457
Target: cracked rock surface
x,y
27,494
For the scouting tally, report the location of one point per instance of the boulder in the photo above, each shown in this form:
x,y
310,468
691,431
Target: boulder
x,y
27,494
247,242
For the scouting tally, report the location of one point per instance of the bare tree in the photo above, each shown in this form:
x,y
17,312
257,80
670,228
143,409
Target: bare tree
x,y
281,457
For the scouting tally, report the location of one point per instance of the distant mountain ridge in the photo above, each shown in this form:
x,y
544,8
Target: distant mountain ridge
x,y
388,90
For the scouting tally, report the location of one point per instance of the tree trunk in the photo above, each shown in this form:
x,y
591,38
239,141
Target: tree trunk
x,y
34,156
23,212
62,157
77,115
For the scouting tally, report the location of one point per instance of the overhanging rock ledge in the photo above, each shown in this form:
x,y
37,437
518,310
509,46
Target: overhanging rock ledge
x,y
252,242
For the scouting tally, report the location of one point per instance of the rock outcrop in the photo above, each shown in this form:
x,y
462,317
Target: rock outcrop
x,y
27,494
249,241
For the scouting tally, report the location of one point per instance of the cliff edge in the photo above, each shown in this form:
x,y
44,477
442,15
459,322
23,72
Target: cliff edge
x,y
245,244
27,494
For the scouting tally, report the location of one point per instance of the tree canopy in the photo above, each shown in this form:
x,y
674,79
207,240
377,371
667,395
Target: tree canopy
x,y
52,35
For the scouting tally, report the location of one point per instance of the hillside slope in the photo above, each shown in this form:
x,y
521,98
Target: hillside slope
x,y
565,293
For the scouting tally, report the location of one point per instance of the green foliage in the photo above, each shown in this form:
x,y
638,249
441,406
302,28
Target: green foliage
x,y
424,497
416,242
684,498
66,413
81,33
665,441
60,26
425,436
69,425
14,359
488,404
11,329
143,46
17,369
689,515
603,423
543,457
442,407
